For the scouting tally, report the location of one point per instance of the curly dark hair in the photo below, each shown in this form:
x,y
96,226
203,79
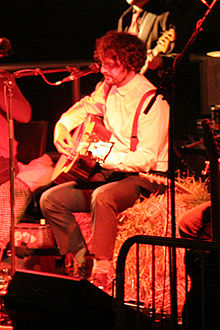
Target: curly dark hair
x,y
123,48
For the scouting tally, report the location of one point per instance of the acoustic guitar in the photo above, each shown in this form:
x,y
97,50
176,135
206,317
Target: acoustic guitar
x,y
91,144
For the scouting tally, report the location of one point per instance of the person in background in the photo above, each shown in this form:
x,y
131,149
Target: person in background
x,y
21,112
120,100
150,20
196,224
27,177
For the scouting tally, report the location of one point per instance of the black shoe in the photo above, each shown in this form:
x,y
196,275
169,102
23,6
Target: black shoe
x,y
69,266
85,268
23,251
100,280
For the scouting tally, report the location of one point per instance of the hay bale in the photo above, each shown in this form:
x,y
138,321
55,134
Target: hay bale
x,y
152,216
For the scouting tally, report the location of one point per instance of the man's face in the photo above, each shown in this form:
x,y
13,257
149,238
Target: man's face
x,y
114,74
138,3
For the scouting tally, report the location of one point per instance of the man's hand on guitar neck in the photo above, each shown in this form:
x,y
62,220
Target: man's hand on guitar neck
x,y
63,140
164,45
154,62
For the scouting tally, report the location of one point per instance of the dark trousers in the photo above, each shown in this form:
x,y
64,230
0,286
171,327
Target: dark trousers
x,y
105,202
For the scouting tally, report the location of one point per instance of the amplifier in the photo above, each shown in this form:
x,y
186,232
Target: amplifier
x,y
34,236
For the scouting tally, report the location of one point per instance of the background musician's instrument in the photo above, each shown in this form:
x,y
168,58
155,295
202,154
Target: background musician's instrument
x,y
162,46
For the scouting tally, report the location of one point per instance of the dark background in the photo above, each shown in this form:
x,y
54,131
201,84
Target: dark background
x,y
66,29
61,30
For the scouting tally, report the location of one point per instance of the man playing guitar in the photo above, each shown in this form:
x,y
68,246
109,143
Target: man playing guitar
x,y
122,95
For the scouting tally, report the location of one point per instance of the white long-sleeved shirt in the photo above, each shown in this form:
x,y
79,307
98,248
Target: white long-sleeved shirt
x,y
118,112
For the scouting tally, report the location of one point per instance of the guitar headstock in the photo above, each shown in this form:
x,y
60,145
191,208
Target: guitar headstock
x,y
165,39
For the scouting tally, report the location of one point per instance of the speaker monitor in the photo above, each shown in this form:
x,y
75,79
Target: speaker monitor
x,y
42,301
209,82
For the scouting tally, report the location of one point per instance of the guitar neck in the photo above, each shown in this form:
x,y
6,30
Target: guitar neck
x,y
162,46
165,181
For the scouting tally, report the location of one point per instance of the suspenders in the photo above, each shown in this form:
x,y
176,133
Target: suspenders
x,y
134,139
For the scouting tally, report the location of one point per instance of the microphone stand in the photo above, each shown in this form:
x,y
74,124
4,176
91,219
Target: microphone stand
x,y
163,88
8,92
8,87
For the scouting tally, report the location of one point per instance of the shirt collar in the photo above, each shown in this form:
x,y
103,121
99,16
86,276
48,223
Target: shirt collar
x,y
123,90
136,9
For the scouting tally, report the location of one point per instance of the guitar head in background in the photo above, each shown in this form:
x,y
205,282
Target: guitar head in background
x,y
163,45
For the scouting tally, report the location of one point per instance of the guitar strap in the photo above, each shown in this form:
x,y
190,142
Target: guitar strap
x,y
134,138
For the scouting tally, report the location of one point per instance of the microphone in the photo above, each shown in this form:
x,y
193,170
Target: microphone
x,y
76,74
5,47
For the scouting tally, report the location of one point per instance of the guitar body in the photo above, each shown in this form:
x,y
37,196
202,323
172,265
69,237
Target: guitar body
x,y
78,169
80,166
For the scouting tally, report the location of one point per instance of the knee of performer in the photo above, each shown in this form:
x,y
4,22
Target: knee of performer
x,y
100,197
44,201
